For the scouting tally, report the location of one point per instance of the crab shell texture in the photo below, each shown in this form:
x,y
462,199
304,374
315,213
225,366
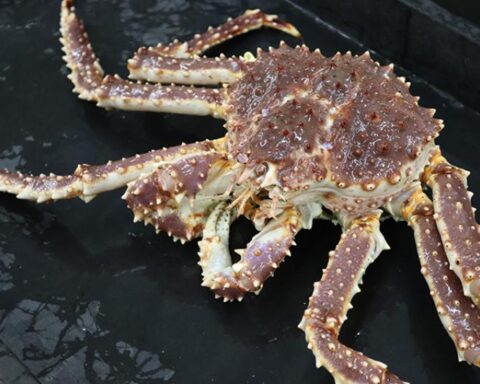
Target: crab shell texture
x,y
343,130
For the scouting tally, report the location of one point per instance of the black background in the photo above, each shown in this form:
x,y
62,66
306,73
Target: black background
x,y
468,9
88,296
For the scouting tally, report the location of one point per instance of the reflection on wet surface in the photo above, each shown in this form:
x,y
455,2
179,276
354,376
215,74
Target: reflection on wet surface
x,y
62,342
11,158
59,340
6,262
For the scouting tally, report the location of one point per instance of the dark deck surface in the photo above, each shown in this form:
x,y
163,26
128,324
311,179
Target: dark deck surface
x,y
86,296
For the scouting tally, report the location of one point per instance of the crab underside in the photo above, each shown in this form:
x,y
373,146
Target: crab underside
x,y
307,136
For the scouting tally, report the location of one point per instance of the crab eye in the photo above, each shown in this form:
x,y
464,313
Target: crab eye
x,y
261,169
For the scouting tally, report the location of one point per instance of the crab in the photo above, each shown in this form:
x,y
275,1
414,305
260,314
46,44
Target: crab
x,y
307,136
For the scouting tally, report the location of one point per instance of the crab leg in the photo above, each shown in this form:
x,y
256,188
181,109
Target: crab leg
x,y
330,301
258,261
455,219
148,65
86,72
250,20
114,92
459,316
89,180
179,63
122,94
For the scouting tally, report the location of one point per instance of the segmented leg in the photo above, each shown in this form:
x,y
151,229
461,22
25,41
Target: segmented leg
x,y
459,316
175,63
330,301
89,180
250,20
149,66
114,92
456,222
122,94
258,261
86,72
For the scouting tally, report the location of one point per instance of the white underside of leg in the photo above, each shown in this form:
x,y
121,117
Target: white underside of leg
x,y
197,76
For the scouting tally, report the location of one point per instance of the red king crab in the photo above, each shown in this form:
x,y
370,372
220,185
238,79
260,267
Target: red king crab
x,y
308,136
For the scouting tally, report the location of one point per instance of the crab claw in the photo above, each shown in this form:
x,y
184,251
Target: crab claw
x,y
263,254
175,196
